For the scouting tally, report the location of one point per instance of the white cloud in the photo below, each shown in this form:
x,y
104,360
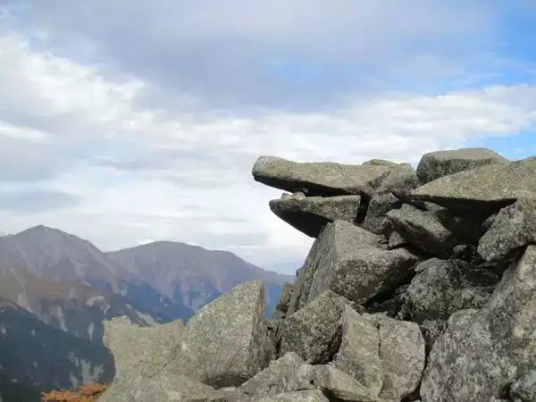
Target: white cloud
x,y
141,174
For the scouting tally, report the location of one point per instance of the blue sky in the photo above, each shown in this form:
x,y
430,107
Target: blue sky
x,y
130,121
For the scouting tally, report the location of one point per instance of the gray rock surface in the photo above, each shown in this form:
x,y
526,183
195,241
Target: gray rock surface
x,y
382,202
298,396
319,178
524,389
310,214
422,230
447,286
314,331
513,228
483,351
486,188
437,164
226,342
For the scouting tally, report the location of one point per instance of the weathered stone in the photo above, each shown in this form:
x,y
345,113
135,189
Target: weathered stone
x,y
396,240
337,239
298,396
286,374
359,352
284,297
155,346
447,286
314,331
382,202
513,228
437,164
402,354
310,214
486,188
319,178
524,389
345,260
165,387
226,342
340,386
401,181
483,351
422,230
381,162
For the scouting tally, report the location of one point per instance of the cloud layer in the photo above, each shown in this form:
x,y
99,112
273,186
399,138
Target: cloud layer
x,y
142,122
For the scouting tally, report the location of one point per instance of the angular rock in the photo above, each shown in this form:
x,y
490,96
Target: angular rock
x,y
447,286
337,238
437,164
513,228
344,259
298,396
165,387
402,354
154,346
284,297
431,330
382,202
319,178
486,189
226,342
340,386
396,240
310,214
359,352
286,374
401,181
314,331
483,351
422,230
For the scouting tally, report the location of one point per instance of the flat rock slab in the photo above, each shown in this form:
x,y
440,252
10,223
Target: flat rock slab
x,y
141,350
438,164
486,188
314,331
446,286
513,228
483,351
319,178
422,230
226,342
339,235
309,215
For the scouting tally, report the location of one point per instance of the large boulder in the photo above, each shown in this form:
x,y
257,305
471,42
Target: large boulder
x,y
422,230
437,164
310,214
319,178
485,189
314,331
513,228
483,351
348,261
445,286
226,342
337,239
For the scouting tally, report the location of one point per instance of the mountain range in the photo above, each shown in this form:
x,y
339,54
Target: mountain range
x,y
60,288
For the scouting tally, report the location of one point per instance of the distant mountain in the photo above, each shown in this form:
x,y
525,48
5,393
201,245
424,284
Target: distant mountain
x,y
54,255
192,275
36,357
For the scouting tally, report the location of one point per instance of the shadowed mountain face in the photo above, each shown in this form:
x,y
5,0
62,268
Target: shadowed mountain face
x,y
36,357
193,275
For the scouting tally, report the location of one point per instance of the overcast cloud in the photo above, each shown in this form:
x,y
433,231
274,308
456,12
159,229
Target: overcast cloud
x,y
130,121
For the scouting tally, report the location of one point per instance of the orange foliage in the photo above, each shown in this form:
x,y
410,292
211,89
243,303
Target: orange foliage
x,y
87,393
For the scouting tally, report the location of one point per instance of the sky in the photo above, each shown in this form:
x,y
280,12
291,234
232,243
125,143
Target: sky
x,y
125,122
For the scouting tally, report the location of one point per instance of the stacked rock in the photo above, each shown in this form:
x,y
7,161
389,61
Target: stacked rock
x,y
420,285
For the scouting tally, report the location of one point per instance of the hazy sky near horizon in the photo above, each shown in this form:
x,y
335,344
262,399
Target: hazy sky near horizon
x,y
129,121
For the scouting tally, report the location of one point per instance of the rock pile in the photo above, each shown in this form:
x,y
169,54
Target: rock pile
x,y
420,285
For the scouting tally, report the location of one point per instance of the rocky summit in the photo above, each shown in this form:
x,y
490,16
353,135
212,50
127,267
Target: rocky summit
x,y
420,285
